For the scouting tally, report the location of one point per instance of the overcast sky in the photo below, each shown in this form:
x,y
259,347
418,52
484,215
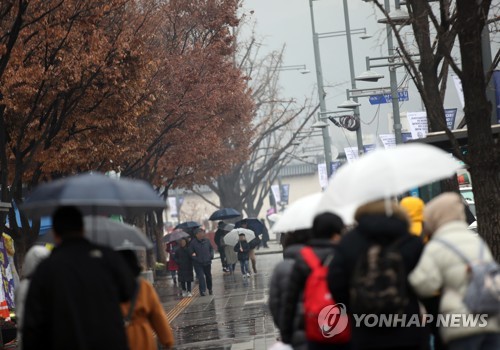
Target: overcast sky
x,y
287,22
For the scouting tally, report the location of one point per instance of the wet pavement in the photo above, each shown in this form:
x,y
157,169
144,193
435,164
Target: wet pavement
x,y
236,317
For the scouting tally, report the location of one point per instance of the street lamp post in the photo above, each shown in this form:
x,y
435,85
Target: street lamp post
x,y
359,134
321,91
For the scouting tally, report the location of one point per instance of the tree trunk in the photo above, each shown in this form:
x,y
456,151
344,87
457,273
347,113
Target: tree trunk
x,y
160,252
484,154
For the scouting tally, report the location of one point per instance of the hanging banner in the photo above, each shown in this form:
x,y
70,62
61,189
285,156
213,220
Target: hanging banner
x,y
388,140
351,153
275,189
369,148
460,90
451,115
7,276
334,166
323,175
285,193
418,124
496,82
172,205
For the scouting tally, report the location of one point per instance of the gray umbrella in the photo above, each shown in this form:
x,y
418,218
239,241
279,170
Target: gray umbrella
x,y
108,232
175,236
93,194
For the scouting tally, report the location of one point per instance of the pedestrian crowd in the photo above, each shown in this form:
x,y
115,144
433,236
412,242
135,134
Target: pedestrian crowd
x,y
394,280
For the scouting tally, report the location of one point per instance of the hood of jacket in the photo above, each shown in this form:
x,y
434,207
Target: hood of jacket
x,y
33,258
414,207
382,220
444,209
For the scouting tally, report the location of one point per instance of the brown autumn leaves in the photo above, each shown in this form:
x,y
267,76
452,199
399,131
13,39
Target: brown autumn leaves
x,y
145,87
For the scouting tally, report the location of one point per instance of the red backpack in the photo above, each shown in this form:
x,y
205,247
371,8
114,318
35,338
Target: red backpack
x,y
325,321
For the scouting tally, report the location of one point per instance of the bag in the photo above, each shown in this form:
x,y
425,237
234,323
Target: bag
x,y
379,281
483,290
325,321
133,300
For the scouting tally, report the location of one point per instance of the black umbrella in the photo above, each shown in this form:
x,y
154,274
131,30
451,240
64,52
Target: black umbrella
x,y
175,236
94,194
223,214
187,225
253,224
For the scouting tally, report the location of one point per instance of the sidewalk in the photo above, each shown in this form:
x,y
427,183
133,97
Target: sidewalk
x,y
236,317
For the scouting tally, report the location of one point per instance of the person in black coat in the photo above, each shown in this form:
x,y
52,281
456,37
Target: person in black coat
x,y
202,253
326,231
278,286
243,249
376,226
74,298
183,259
219,235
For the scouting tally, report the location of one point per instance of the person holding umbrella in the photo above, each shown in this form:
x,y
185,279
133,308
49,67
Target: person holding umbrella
x,y
75,294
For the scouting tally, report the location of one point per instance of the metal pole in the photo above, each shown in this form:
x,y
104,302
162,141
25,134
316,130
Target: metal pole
x,y
394,82
321,92
490,87
359,134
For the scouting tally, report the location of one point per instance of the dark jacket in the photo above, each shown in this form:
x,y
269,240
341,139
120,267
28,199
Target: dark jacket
x,y
219,235
277,289
74,299
182,257
293,296
242,255
203,250
374,226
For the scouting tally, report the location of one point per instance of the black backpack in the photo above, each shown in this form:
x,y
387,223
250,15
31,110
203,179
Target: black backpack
x,y
379,281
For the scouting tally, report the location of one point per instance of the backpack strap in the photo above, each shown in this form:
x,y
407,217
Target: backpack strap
x,y
312,260
454,249
133,300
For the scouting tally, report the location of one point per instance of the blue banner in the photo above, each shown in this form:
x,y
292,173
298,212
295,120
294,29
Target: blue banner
x,y
496,81
7,275
387,98
450,114
369,148
334,166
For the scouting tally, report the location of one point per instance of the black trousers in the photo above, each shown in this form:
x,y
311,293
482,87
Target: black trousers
x,y
204,273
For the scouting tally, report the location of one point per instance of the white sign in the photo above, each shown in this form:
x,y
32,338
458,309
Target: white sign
x,y
172,203
418,124
351,153
388,140
460,90
276,193
323,175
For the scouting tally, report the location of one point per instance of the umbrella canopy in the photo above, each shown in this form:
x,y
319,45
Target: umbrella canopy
x,y
384,173
188,225
223,214
299,215
233,236
175,236
94,194
254,224
108,232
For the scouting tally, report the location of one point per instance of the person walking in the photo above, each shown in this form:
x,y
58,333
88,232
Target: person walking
x,y
231,256
202,254
279,285
242,248
33,258
143,314
445,265
382,227
253,245
326,233
172,266
74,297
183,258
218,238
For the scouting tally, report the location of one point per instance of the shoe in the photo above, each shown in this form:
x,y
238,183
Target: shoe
x,y
184,294
248,275
202,294
189,295
211,292
244,277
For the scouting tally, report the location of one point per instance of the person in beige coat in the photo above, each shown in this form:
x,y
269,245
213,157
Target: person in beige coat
x,y
442,268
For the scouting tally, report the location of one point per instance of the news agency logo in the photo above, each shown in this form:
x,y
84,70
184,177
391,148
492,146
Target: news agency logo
x,y
333,320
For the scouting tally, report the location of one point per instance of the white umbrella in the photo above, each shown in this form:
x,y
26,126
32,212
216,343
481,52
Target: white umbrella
x,y
274,217
299,215
233,236
385,173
